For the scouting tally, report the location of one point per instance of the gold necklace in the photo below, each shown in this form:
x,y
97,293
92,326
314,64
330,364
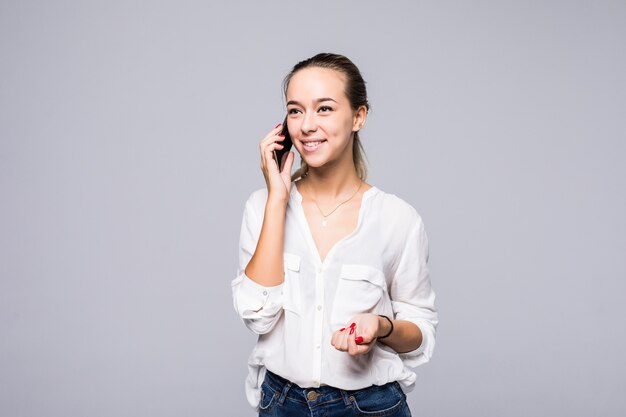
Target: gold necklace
x,y
325,216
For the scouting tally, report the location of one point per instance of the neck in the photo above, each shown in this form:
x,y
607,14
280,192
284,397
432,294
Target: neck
x,y
330,185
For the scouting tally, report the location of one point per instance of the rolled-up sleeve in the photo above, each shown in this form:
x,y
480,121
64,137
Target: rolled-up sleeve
x,y
412,297
258,306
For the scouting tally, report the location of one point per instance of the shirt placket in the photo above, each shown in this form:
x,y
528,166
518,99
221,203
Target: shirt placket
x,y
318,325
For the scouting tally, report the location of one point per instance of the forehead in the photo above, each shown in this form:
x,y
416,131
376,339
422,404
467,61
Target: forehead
x,y
312,83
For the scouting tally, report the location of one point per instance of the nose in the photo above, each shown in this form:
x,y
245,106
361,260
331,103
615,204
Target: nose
x,y
308,123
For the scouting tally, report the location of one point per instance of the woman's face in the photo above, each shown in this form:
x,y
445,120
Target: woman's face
x,y
321,121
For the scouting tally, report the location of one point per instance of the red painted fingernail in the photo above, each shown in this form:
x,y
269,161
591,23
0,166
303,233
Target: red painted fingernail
x,y
351,330
277,125
352,325
342,329
281,136
359,339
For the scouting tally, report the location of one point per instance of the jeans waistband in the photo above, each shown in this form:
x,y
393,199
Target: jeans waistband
x,y
278,383
286,387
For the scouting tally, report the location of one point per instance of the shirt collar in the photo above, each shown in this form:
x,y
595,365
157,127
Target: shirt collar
x,y
297,197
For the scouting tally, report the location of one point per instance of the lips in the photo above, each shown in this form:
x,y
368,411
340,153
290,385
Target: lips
x,y
312,145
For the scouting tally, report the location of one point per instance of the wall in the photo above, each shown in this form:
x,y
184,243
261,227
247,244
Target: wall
x,y
128,145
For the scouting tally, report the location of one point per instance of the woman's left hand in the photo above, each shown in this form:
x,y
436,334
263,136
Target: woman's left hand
x,y
359,335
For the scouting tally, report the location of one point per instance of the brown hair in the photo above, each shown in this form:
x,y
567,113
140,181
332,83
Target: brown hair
x,y
355,91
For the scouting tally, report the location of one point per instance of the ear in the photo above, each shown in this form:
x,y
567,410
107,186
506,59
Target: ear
x,y
359,118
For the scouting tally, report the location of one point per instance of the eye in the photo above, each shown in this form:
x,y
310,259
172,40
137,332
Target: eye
x,y
292,111
325,109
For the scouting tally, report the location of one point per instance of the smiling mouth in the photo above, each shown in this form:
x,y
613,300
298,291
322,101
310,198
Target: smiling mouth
x,y
313,144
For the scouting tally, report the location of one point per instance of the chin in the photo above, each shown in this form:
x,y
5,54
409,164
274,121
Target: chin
x,y
315,162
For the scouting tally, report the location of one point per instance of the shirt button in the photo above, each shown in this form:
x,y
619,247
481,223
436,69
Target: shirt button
x,y
318,346
319,308
264,292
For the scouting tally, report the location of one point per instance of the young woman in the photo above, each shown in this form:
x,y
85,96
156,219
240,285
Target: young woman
x,y
332,270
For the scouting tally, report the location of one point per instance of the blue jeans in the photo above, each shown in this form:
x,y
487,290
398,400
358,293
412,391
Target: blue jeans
x,y
280,397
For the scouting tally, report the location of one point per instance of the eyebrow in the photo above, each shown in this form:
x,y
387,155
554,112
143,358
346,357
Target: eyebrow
x,y
319,100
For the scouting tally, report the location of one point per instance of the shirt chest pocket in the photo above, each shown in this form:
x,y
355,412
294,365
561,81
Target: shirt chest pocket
x,y
360,290
291,287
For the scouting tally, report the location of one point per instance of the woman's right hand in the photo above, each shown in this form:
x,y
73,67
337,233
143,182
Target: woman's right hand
x,y
278,183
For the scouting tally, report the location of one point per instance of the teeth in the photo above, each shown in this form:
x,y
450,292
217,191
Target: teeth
x,y
312,144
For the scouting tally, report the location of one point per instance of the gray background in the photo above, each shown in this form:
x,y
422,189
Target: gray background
x,y
129,136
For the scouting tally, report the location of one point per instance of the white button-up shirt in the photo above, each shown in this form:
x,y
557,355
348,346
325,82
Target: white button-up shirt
x,y
379,268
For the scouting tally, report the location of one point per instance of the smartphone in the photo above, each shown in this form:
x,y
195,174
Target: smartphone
x,y
278,153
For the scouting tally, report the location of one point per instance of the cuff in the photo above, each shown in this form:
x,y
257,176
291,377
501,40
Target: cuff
x,y
255,300
424,352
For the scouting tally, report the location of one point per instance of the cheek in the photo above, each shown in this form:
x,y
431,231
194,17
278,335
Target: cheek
x,y
292,128
295,124
337,128
343,129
